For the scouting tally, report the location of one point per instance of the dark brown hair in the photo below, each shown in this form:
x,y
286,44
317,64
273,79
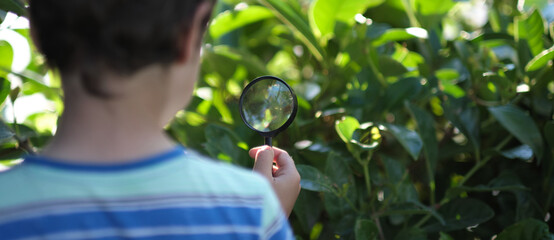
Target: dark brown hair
x,y
91,37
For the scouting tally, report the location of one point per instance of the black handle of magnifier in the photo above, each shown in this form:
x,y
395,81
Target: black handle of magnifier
x,y
267,141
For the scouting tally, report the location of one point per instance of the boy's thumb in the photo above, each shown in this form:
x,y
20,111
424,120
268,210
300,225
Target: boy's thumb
x,y
264,162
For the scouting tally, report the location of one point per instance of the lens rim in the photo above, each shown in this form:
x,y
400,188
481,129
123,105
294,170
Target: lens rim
x,y
282,127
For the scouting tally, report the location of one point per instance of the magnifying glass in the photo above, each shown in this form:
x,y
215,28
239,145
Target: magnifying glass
x,y
268,106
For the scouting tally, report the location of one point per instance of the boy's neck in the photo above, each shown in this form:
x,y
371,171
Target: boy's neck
x,y
109,130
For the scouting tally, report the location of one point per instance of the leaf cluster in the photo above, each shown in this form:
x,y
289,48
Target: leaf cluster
x,y
418,119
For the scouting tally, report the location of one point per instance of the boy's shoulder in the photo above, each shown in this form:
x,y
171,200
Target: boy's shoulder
x,y
188,173
224,172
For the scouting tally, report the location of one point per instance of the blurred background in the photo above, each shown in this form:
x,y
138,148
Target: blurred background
x,y
418,119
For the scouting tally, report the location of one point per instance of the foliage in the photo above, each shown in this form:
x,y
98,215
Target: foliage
x,y
419,119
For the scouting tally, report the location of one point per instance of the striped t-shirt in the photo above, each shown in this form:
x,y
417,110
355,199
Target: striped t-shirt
x,y
175,195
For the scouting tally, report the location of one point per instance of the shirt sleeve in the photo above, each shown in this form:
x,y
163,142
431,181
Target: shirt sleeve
x,y
274,223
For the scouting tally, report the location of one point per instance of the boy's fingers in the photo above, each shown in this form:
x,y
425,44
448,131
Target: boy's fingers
x,y
264,162
287,168
284,161
254,151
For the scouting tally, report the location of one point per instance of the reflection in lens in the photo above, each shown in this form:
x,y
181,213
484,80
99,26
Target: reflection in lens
x,y
267,105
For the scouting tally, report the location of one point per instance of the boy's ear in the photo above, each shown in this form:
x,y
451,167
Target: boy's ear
x,y
191,42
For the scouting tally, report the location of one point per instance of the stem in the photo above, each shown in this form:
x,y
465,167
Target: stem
x,y
379,228
468,175
477,154
376,70
410,13
482,163
365,165
351,204
387,200
15,126
311,46
22,144
415,23
473,170
431,182
422,221
340,196
367,178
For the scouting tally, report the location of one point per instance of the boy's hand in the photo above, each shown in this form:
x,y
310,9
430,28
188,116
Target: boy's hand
x,y
283,177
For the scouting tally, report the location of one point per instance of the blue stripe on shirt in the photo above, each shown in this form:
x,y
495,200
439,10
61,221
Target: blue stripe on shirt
x,y
114,234
193,216
194,237
109,167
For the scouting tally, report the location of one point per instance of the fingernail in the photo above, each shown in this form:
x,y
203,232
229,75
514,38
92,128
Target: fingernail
x,y
266,149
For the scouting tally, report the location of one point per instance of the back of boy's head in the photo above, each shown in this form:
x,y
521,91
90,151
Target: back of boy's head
x,y
91,37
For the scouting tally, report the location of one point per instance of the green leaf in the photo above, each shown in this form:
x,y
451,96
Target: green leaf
x,y
324,13
6,57
221,106
523,152
538,4
394,170
412,207
307,209
506,181
412,233
366,230
461,213
521,126
447,74
444,236
465,116
313,180
531,28
527,229
399,34
549,133
409,139
225,58
400,91
452,89
391,67
367,137
297,23
346,127
448,78
337,170
540,60
5,88
14,6
500,85
433,7
230,20
336,208
222,144
5,133
426,129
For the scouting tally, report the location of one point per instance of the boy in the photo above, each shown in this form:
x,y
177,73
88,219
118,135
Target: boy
x,y
110,172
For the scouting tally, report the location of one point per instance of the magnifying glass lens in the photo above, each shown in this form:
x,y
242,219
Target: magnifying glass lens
x,y
268,105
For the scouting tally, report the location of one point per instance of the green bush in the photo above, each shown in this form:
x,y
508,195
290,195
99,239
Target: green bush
x,y
418,119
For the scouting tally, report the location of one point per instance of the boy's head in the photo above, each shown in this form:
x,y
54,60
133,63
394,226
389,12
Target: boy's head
x,y
93,38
